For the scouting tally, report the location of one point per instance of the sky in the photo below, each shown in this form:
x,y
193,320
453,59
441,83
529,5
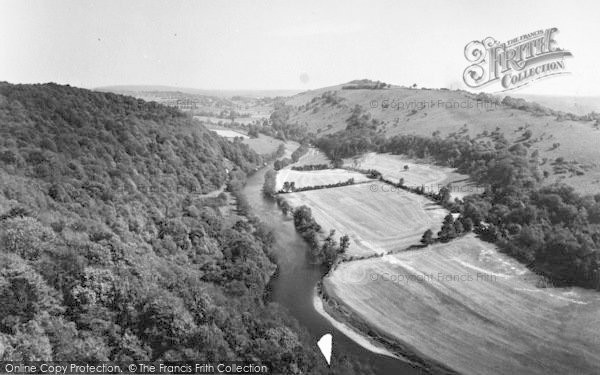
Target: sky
x,y
281,44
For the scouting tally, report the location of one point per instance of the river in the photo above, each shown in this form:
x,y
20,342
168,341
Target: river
x,y
294,285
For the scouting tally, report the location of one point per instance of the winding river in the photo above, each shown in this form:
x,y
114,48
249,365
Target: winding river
x,y
294,285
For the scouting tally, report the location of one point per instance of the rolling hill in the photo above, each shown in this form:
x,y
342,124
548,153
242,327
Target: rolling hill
x,y
564,144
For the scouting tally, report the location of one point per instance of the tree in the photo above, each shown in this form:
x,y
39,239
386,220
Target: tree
x,y
269,184
427,238
303,220
330,248
444,195
286,186
344,243
458,227
467,223
448,231
285,207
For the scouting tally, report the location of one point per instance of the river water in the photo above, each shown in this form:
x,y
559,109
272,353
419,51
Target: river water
x,y
294,285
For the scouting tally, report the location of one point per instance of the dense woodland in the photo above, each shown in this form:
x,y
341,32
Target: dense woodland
x,y
552,229
110,251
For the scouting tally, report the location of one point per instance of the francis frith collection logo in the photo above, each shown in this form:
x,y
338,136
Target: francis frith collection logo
x,y
514,63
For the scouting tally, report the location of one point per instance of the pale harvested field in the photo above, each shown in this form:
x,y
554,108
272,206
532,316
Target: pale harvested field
x,y
290,147
419,174
377,222
313,156
313,178
266,145
227,133
501,324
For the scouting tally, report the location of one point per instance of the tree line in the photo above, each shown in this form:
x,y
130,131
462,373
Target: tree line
x,y
551,228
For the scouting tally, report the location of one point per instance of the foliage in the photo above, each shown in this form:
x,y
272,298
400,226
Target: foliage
x,y
269,188
110,251
311,167
365,84
555,231
325,252
290,186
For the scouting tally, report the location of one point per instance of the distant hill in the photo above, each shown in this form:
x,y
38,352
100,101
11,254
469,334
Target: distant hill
x,y
579,105
218,93
547,133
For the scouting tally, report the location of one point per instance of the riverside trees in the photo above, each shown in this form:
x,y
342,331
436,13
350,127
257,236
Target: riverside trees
x,y
551,228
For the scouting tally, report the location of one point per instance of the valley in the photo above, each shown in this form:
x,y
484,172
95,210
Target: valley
x,y
547,134
459,306
293,188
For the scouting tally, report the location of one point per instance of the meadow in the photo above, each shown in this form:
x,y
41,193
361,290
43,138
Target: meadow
x,y
415,173
472,308
377,217
315,178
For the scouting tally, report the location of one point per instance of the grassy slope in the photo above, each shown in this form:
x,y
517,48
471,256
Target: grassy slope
x,y
431,177
263,144
312,178
578,140
312,157
495,326
376,221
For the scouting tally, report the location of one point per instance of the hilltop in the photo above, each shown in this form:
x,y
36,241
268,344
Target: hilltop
x,y
564,144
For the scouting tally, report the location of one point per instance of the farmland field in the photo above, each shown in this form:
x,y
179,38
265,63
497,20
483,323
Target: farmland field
x,y
266,145
313,156
432,177
477,311
227,133
377,219
313,178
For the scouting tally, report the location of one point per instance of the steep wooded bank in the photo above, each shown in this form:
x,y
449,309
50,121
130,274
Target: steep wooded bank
x,y
109,249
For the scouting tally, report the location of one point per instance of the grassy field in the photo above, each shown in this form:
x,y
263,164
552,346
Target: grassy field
x,y
432,177
312,157
313,178
226,132
377,217
473,309
264,144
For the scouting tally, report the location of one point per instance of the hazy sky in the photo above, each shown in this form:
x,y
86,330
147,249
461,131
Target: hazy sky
x,y
280,44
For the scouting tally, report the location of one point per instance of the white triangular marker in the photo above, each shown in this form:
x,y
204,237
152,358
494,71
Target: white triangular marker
x,y
325,343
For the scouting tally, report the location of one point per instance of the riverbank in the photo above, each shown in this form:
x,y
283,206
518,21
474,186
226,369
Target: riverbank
x,y
358,337
293,286
370,337
469,307
479,312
